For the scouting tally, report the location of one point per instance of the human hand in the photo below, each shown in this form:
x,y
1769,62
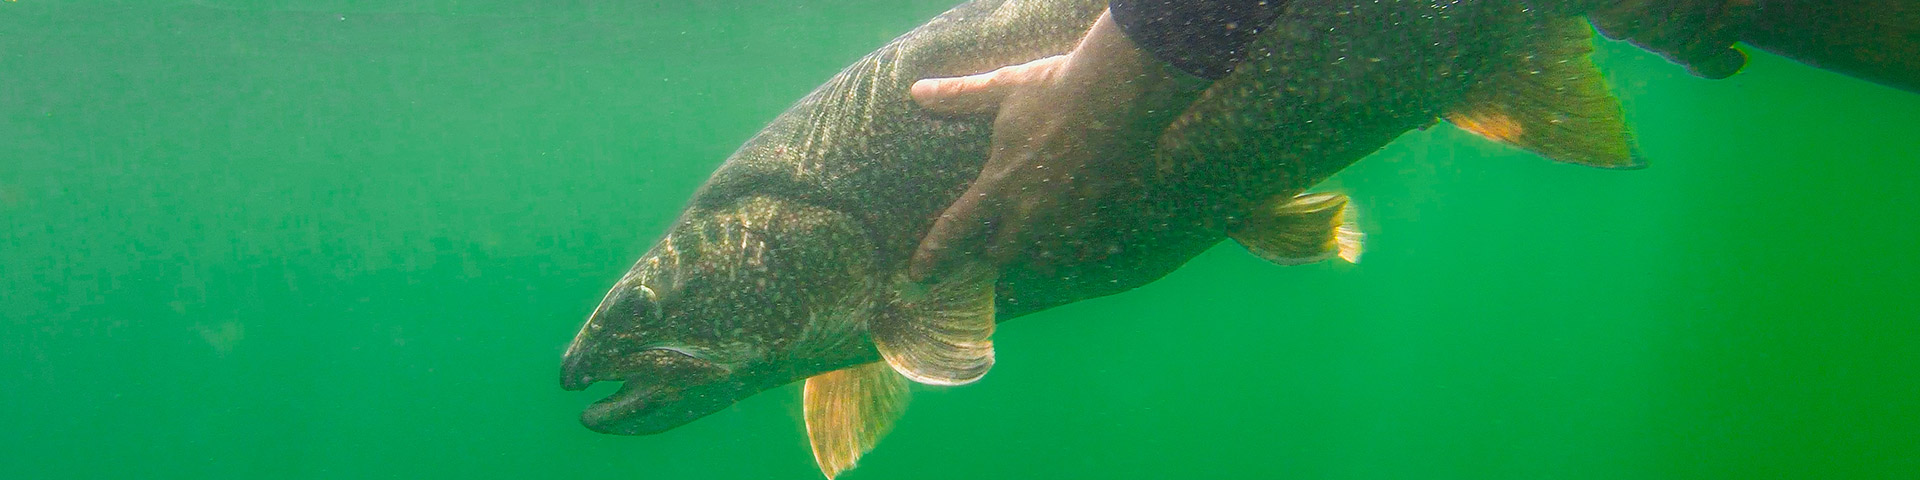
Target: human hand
x,y
1070,130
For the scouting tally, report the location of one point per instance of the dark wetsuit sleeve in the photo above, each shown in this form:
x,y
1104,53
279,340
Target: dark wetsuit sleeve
x,y
1202,37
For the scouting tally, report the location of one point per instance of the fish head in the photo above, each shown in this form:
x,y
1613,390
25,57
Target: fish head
x,y
728,305
670,374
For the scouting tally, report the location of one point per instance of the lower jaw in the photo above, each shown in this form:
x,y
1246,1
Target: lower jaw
x,y
615,414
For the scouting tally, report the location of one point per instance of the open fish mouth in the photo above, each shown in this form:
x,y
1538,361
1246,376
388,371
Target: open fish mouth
x,y
661,388
619,413
623,412
645,407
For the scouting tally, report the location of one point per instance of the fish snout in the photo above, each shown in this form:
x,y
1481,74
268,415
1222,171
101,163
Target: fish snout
x,y
578,364
575,371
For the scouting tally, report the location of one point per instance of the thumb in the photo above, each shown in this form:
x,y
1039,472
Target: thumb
x,y
955,235
982,92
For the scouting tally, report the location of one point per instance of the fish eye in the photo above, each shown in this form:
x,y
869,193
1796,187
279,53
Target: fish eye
x,y
652,299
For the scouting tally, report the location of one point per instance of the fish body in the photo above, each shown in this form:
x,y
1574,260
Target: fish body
x,y
789,263
1336,81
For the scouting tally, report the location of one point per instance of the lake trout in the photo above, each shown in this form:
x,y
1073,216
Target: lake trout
x,y
790,263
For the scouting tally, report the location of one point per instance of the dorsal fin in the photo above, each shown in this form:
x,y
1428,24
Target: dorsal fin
x,y
1553,101
848,410
939,334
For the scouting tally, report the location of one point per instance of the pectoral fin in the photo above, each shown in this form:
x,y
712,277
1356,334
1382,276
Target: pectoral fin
x,y
940,334
1303,229
848,410
1551,100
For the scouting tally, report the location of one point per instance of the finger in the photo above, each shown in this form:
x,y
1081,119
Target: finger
x,y
1009,241
954,235
980,93
960,95
1014,236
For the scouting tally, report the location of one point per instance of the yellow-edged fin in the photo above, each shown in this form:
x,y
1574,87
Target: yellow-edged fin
x,y
939,334
848,410
1303,229
1551,100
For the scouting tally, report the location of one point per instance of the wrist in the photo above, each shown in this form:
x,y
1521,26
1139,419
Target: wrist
x,y
1142,91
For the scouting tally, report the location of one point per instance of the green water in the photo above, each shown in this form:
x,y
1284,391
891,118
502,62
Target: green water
x,y
346,239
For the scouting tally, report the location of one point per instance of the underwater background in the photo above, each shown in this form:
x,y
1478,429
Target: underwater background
x,y
351,238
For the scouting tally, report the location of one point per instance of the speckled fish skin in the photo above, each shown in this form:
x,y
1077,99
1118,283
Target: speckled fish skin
x,y
776,266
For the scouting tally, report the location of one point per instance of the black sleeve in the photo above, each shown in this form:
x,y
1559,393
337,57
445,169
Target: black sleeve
x,y
1202,37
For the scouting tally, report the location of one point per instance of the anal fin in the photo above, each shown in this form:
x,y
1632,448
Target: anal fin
x,y
1550,99
848,410
1303,229
939,334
